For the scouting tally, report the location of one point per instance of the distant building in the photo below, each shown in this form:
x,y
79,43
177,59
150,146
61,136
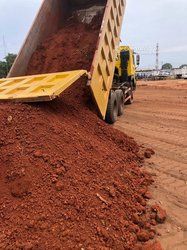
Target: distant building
x,y
153,74
180,73
146,73
161,74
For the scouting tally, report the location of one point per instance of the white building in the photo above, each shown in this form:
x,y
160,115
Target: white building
x,y
180,73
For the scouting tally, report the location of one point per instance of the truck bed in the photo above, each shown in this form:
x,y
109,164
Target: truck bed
x,y
52,15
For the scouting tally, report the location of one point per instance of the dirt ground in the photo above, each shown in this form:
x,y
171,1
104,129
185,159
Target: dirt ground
x,y
158,119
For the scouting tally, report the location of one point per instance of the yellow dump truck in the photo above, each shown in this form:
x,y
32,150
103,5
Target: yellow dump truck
x,y
112,75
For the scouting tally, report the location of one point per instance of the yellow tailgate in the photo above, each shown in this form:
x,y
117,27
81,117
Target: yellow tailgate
x,y
103,66
34,88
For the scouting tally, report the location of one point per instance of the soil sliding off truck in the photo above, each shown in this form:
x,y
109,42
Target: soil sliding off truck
x,y
112,75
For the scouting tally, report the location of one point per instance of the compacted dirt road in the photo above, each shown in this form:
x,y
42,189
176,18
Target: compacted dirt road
x,y
158,119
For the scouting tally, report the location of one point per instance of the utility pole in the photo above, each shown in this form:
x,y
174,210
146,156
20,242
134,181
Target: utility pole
x,y
157,57
5,52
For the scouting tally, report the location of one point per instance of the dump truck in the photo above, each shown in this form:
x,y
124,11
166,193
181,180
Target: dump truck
x,y
111,78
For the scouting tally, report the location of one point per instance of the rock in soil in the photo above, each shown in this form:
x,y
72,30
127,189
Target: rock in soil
x,y
160,213
20,188
148,153
143,236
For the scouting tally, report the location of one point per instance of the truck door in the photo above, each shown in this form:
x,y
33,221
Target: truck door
x,y
124,55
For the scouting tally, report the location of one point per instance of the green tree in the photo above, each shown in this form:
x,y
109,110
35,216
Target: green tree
x,y
167,66
3,69
6,64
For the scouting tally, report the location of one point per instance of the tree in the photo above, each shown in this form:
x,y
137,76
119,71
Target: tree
x,y
167,66
6,64
3,69
183,65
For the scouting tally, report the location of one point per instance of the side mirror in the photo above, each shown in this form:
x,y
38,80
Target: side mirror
x,y
138,60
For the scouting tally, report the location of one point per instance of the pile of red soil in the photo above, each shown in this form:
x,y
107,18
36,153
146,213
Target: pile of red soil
x,y
67,179
72,48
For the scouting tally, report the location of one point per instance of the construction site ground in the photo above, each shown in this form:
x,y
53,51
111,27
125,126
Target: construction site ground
x,y
158,119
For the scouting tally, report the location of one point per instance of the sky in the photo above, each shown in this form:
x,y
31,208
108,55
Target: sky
x,y
146,23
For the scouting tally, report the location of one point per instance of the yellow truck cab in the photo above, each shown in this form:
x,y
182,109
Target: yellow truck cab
x,y
124,82
126,64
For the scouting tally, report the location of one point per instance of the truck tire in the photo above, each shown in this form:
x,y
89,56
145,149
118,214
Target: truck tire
x,y
134,84
112,109
131,99
120,101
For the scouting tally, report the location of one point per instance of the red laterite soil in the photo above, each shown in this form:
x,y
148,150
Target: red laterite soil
x,y
67,179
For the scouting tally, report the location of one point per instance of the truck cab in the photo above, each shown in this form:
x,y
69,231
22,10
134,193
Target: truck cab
x,y
126,63
124,82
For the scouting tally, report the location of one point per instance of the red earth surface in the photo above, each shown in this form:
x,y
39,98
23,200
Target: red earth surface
x,y
68,180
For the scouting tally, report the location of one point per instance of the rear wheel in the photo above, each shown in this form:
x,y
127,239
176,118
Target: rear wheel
x,y
131,98
120,101
112,109
134,84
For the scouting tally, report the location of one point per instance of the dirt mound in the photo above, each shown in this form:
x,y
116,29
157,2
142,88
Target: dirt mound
x,y
68,180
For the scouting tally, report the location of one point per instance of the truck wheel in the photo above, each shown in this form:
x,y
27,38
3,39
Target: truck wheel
x,y
120,100
131,99
134,84
112,109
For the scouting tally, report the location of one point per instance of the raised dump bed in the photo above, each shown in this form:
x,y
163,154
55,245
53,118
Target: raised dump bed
x,y
50,18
